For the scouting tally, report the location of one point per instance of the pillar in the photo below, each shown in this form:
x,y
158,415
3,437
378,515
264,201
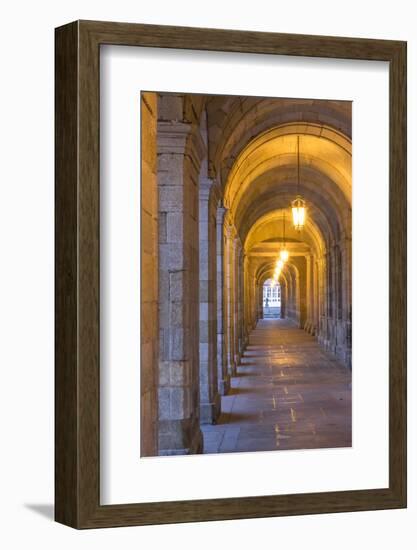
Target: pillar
x,y
346,259
237,339
209,394
180,151
230,298
223,377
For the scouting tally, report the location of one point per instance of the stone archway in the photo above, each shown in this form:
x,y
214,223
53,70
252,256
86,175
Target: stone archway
x,y
219,173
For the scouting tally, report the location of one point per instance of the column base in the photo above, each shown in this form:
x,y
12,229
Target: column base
x,y
224,385
210,412
232,369
180,437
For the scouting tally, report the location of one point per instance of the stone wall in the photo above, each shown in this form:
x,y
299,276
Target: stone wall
x,y
149,278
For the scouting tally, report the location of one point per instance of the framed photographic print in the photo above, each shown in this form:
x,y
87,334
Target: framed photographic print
x,y
230,274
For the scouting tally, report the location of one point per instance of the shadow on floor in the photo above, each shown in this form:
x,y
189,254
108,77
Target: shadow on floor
x,y
233,418
45,510
239,391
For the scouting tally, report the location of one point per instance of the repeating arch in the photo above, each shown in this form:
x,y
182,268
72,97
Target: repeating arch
x,y
224,171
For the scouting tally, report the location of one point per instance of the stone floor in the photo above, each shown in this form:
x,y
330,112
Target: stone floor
x,y
288,394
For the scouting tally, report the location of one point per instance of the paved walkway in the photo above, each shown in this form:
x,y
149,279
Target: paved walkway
x,y
288,394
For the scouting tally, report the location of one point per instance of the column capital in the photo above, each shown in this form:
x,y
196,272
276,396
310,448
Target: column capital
x,y
206,185
181,138
172,136
220,214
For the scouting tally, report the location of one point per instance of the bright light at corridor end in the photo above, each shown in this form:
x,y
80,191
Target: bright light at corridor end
x,y
298,207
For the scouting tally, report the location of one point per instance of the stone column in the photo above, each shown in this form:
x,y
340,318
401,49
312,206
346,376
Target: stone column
x,y
283,300
255,312
322,276
246,290
229,286
300,263
346,257
236,313
241,309
259,296
209,394
309,325
315,297
290,297
222,374
180,150
332,302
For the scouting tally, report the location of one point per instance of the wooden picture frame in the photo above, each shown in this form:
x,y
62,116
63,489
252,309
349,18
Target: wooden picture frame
x,y
77,359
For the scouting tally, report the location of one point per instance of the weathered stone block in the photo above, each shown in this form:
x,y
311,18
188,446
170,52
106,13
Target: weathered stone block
x,y
164,403
175,227
171,257
164,353
170,169
204,291
170,198
164,318
180,403
169,179
164,373
204,311
170,107
162,227
177,285
180,373
204,331
204,377
203,212
176,314
204,352
178,347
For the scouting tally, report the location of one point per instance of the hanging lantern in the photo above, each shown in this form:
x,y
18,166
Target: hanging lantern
x,y
298,206
284,255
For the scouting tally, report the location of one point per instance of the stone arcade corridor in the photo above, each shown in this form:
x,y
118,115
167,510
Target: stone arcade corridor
x,y
246,283
288,393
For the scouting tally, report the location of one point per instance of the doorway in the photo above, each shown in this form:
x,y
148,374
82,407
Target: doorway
x,y
271,300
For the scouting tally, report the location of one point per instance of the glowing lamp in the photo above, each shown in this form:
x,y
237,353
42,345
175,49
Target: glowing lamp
x,y
284,255
298,207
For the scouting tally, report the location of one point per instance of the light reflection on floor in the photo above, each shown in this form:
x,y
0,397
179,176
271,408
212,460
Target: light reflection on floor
x,y
288,394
